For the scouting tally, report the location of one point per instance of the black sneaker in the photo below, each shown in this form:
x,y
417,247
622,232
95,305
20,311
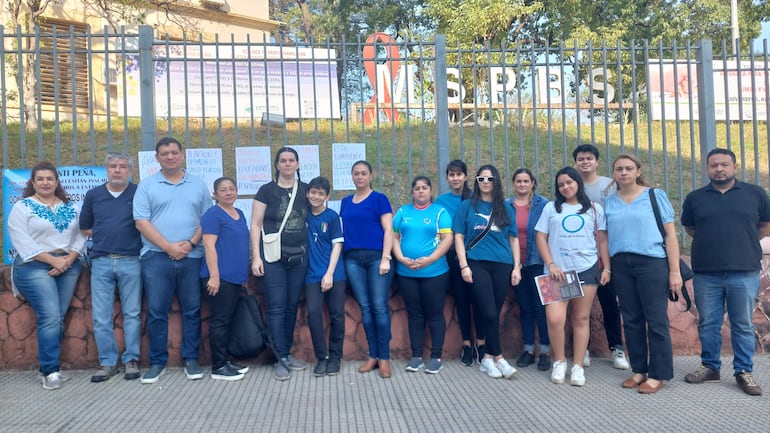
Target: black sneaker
x,y
243,369
526,359
544,362
226,373
320,367
466,356
333,367
481,350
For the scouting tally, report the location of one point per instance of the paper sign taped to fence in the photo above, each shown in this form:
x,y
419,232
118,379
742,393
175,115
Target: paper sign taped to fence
x,y
148,165
309,161
75,180
253,168
551,290
245,204
205,163
343,157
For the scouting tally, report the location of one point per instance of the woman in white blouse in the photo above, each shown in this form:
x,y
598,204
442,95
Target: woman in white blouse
x,y
43,228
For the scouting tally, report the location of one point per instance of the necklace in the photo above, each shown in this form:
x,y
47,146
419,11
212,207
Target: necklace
x,y
49,205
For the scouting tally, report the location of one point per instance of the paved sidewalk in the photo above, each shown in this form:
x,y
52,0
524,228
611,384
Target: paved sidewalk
x,y
459,399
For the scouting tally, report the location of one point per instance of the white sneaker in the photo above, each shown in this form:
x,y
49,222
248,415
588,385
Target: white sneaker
x,y
577,377
587,359
619,360
507,370
558,372
488,366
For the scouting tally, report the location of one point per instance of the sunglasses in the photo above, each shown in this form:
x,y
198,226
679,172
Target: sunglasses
x,y
481,179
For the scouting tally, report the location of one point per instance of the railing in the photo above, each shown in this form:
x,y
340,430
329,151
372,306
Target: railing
x,y
416,105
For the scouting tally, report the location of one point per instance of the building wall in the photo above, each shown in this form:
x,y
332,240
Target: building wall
x,y
237,20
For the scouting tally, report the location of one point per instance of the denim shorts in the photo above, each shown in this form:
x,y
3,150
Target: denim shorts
x,y
591,275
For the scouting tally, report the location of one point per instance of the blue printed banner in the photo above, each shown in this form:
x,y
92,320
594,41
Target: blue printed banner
x,y
76,181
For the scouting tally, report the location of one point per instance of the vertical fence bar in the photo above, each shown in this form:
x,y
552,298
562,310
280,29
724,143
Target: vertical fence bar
x,y
73,52
3,99
20,85
147,88
442,110
706,113
91,96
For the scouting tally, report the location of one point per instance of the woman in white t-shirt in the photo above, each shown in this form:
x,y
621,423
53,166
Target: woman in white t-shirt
x,y
572,235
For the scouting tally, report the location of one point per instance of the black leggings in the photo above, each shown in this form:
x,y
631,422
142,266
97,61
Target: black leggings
x,y
424,299
491,281
461,291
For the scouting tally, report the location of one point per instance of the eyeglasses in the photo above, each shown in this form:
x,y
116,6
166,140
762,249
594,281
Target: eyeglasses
x,y
481,179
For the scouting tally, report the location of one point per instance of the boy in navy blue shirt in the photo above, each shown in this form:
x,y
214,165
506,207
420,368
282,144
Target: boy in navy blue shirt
x,y
325,278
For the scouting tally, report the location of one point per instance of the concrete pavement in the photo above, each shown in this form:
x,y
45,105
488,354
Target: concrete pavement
x,y
459,399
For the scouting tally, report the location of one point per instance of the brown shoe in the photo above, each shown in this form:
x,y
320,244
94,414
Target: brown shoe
x,y
702,374
747,384
646,388
632,382
368,366
385,371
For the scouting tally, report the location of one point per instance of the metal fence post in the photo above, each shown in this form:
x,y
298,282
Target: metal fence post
x,y
706,113
442,111
147,87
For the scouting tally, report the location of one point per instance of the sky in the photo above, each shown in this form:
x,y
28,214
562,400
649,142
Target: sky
x,y
764,35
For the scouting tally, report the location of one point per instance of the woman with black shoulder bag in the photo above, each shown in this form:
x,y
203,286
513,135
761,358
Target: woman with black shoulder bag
x,y
638,253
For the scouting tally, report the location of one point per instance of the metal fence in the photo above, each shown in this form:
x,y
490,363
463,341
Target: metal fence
x,y
71,95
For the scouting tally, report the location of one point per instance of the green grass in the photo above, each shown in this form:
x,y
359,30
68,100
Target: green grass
x,y
401,151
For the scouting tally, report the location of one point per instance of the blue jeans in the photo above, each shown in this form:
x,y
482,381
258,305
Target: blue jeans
x,y
739,290
372,292
532,311
106,272
283,285
50,298
162,278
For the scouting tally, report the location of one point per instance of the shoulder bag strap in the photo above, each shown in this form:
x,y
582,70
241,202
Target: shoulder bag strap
x,y
671,295
288,209
481,235
656,211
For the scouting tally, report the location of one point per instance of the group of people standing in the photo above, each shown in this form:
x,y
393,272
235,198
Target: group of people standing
x,y
163,237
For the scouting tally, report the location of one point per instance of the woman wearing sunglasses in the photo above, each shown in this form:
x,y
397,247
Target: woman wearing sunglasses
x,y
488,254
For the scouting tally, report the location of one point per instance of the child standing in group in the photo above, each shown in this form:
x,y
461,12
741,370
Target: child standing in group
x,y
325,278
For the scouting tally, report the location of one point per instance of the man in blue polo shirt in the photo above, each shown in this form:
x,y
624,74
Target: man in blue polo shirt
x,y
167,210
726,220
107,218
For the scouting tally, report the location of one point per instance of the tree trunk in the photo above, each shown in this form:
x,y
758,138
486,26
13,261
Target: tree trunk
x,y
307,24
30,101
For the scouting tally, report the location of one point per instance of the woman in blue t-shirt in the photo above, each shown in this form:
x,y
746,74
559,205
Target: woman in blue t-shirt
x,y
640,258
457,178
572,236
224,272
422,236
488,254
367,219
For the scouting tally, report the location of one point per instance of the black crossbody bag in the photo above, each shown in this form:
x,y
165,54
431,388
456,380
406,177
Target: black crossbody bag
x,y
684,269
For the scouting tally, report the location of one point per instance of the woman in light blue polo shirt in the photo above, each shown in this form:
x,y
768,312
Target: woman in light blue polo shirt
x,y
422,237
639,264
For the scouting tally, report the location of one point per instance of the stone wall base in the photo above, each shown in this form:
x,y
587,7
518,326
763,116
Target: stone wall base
x,y
18,344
